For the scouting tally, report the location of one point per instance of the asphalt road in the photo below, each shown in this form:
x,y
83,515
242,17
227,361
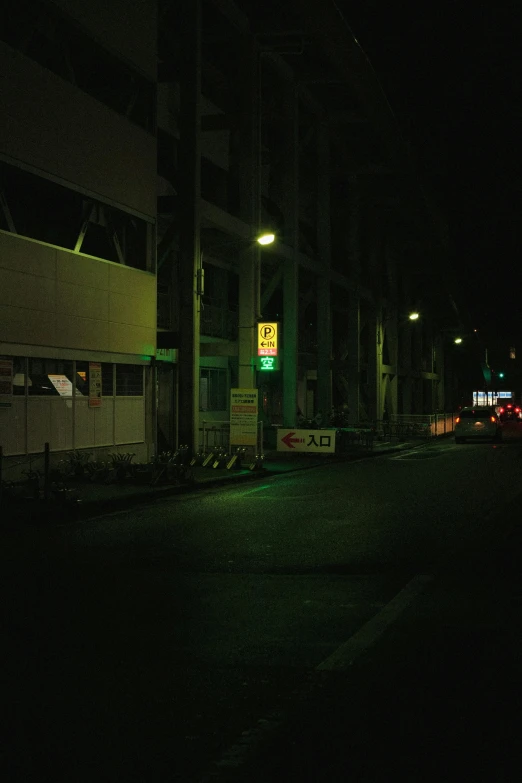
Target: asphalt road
x,y
235,634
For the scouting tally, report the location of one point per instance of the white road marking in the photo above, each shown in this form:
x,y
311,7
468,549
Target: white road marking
x,y
256,489
371,631
236,755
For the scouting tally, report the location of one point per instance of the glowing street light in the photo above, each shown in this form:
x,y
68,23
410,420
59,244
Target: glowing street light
x,y
266,239
414,316
457,340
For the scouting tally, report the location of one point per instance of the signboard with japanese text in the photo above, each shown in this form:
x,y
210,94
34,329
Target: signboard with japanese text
x,y
166,354
62,384
6,382
95,384
267,363
316,441
267,334
243,417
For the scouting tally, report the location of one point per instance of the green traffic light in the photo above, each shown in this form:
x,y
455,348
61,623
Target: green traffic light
x,y
501,375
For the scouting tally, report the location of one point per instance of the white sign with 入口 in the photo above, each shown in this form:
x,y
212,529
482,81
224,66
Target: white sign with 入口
x,y
312,441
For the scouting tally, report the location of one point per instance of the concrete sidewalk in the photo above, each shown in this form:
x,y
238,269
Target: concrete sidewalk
x,y
95,499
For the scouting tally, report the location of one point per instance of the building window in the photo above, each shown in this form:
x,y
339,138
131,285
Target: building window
x,y
43,210
15,375
129,380
82,379
50,377
107,379
213,387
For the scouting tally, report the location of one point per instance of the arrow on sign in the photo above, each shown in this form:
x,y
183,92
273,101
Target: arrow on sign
x,y
288,440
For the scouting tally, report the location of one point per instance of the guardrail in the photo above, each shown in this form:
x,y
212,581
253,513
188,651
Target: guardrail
x,y
349,437
215,434
424,425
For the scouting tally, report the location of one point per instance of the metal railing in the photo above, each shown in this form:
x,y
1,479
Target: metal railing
x,y
215,434
417,426
360,437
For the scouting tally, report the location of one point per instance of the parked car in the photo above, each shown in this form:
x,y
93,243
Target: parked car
x,y
510,412
477,422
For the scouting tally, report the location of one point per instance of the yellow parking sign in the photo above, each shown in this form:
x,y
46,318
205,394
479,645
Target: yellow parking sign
x,y
267,334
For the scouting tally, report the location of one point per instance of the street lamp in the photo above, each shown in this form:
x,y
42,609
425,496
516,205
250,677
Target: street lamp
x,y
414,316
266,238
457,340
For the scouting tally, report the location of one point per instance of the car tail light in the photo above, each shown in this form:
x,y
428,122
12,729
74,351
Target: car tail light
x,y
457,420
517,410
502,410
510,406
493,418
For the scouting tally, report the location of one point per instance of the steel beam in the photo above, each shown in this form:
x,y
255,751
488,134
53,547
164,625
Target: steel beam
x,y
189,173
324,311
234,14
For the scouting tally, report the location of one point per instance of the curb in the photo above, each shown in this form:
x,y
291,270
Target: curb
x,y
92,509
88,510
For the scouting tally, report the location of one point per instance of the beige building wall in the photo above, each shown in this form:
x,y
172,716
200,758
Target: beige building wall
x,y
54,297
58,130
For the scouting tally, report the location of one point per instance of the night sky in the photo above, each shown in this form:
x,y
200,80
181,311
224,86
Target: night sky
x,y
453,80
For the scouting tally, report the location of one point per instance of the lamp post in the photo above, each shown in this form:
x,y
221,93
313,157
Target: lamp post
x,y
381,322
266,238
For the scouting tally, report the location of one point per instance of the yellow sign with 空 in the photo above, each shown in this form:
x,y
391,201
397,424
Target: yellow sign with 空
x,y
267,335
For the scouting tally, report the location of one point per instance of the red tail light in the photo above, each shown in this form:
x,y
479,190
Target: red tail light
x,y
510,406
517,410
502,410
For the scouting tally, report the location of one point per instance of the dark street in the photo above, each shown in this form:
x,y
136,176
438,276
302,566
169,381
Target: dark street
x,y
236,633
260,392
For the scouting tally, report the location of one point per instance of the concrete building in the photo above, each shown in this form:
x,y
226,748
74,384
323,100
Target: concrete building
x,y
77,227
276,120
143,148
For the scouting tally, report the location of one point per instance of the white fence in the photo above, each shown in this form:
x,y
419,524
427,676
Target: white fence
x,y
424,425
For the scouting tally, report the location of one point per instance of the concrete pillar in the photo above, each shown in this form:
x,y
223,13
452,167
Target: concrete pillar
x,y
439,368
376,325
189,172
406,331
405,352
375,384
324,315
418,391
291,266
353,358
290,341
353,326
430,401
392,329
247,318
249,204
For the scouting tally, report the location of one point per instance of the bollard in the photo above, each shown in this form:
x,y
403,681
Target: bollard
x,y
46,487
